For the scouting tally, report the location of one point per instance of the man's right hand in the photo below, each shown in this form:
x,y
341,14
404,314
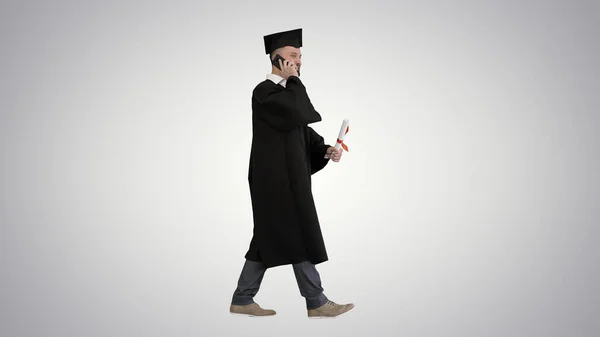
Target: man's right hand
x,y
288,69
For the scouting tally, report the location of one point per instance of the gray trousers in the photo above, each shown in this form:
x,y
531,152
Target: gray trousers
x,y
307,277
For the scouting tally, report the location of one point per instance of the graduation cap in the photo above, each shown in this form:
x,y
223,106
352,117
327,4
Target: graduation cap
x,y
288,38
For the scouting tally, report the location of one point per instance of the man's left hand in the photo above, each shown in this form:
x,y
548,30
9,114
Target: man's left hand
x,y
334,154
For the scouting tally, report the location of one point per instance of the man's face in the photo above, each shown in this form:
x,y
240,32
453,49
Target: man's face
x,y
293,55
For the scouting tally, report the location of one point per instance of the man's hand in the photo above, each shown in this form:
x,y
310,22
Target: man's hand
x,y
288,69
334,154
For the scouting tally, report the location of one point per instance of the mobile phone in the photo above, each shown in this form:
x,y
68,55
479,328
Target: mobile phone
x,y
276,61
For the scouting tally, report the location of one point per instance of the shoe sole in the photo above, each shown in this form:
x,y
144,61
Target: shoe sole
x,y
249,315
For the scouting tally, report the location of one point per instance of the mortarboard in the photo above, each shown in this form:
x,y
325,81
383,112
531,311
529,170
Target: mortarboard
x,y
288,38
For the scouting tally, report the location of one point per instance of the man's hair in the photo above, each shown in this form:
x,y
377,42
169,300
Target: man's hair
x,y
275,52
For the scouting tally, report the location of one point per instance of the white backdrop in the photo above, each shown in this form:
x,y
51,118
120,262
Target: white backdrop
x,y
467,205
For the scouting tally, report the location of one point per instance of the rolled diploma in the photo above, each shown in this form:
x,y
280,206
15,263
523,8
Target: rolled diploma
x,y
340,138
341,135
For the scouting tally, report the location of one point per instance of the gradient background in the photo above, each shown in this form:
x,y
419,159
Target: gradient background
x,y
468,204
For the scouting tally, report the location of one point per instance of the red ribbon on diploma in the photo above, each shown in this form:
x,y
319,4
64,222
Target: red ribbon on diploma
x,y
341,142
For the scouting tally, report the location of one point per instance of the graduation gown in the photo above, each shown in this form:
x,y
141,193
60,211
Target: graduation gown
x,y
285,152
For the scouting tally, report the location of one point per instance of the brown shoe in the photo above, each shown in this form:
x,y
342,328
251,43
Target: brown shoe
x,y
329,310
253,310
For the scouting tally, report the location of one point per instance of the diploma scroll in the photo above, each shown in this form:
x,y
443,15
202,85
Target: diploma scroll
x,y
340,139
343,131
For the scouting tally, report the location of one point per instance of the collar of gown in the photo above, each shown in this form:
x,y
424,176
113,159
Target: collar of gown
x,y
277,79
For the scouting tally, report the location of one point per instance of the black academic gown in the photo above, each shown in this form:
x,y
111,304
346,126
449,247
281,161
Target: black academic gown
x,y
285,153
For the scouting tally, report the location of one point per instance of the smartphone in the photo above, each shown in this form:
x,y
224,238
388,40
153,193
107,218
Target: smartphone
x,y
276,61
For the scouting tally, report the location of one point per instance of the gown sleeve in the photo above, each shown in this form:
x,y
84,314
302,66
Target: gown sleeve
x,y
289,108
318,148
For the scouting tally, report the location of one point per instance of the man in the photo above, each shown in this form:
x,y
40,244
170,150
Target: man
x,y
285,153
